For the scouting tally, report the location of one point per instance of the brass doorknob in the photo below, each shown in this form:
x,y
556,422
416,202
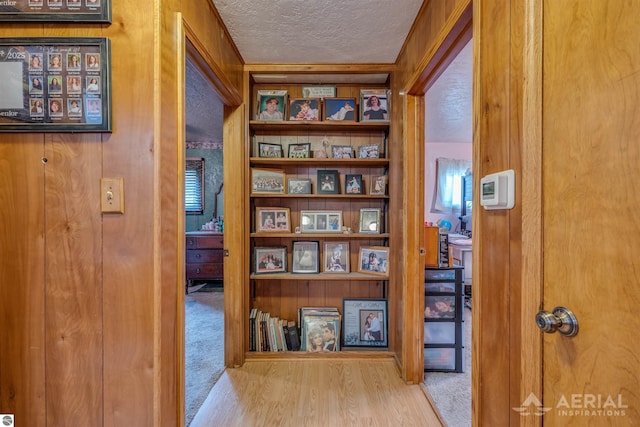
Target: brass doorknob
x,y
561,319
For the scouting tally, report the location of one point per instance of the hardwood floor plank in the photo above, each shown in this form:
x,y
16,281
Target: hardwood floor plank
x,y
325,392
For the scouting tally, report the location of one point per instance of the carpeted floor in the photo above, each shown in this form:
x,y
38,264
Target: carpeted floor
x,y
204,346
451,392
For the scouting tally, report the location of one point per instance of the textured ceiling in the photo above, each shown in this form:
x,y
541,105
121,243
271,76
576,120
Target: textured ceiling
x,y
319,31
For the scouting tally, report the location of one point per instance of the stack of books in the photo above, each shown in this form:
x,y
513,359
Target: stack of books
x,y
320,328
269,333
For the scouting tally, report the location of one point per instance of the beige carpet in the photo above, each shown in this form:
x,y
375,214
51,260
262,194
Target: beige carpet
x,y
204,347
451,392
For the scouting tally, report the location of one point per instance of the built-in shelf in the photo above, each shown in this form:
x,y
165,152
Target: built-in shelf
x,y
345,353
318,196
313,162
264,125
340,236
318,276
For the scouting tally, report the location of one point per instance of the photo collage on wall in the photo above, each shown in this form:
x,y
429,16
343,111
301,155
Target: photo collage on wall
x,y
58,85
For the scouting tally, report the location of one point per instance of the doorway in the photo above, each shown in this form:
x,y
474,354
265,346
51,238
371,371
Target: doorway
x,y
447,161
204,226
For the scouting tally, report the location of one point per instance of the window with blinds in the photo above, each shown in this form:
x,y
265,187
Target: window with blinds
x,y
194,186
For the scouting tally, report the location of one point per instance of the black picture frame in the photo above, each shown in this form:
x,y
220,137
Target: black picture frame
x,y
328,182
270,260
269,150
353,184
23,109
58,10
299,151
359,333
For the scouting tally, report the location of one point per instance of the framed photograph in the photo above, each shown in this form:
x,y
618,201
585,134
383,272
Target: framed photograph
x,y
369,151
341,109
336,257
365,322
305,258
271,105
378,185
304,109
38,85
353,184
374,105
328,182
318,91
270,260
300,151
267,181
369,220
272,220
299,185
341,151
266,149
373,260
320,221
321,332
73,11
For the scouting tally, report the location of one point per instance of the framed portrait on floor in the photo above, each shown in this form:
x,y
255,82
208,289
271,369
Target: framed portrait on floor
x,y
365,323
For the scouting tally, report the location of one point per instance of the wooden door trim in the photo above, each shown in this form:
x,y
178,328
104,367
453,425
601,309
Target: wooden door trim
x,y
532,238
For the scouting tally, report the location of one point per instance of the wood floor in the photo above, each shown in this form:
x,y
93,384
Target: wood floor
x,y
324,392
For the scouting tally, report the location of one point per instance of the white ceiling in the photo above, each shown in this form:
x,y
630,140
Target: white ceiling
x,y
331,32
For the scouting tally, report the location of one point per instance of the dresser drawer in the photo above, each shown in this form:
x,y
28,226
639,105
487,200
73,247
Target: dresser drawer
x,y
204,255
204,242
205,271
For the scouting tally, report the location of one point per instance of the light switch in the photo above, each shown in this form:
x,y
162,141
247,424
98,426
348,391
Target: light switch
x,y
112,195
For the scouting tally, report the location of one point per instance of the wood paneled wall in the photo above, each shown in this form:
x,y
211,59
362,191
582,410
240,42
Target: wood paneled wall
x,y
89,302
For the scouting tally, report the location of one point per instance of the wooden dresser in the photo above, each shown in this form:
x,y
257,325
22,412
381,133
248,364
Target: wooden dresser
x,y
204,256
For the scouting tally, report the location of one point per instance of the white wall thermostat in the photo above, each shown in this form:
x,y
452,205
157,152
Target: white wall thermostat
x,y
497,190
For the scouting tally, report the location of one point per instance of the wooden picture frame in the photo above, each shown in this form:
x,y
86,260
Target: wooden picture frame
x,y
269,150
44,108
305,257
269,260
273,220
320,221
336,257
369,220
374,260
353,184
267,181
305,109
374,105
365,322
340,109
328,182
299,185
378,185
299,151
64,10
369,151
271,105
341,152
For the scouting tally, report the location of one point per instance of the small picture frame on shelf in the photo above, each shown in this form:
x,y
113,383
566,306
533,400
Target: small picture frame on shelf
x,y
378,185
340,109
269,220
266,149
369,151
374,105
341,151
305,257
336,257
270,259
271,105
304,109
299,151
318,91
353,184
374,260
370,220
323,221
328,182
299,185
365,322
267,181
